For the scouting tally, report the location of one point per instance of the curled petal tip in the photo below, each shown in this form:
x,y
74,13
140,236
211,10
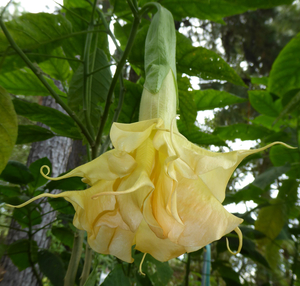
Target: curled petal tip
x,y
45,175
240,235
141,264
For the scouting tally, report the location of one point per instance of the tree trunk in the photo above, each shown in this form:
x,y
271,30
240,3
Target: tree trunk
x,y
58,150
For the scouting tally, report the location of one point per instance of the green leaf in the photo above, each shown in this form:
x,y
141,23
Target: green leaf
x,y
68,184
158,272
280,155
193,61
210,99
267,121
25,82
187,106
58,122
215,10
8,127
19,252
260,80
100,85
33,133
116,277
285,72
271,220
9,191
262,102
55,67
132,97
35,169
16,173
27,216
196,136
198,61
160,50
242,131
30,31
61,205
52,267
92,279
65,235
269,176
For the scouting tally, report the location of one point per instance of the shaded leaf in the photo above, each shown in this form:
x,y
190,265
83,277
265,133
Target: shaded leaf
x,y
59,122
52,267
21,251
33,133
196,136
25,82
99,87
242,131
9,191
65,235
61,205
210,99
27,216
35,169
116,277
8,127
263,103
285,72
16,173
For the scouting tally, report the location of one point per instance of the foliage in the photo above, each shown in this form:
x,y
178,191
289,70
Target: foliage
x,y
70,47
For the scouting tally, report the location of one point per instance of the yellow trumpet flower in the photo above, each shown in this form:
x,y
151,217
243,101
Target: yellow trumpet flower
x,y
155,189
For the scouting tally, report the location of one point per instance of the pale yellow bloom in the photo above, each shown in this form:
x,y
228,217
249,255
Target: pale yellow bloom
x,y
155,190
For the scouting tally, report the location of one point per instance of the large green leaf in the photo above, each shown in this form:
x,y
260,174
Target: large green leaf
x,y
269,176
242,131
280,155
158,272
25,82
27,216
116,277
65,235
8,127
214,10
193,61
196,136
99,87
59,122
263,102
198,61
52,267
19,252
16,173
285,72
35,169
33,133
271,220
187,106
33,33
210,99
74,46
56,67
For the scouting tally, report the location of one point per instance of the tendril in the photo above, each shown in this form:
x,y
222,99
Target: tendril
x,y
141,264
240,235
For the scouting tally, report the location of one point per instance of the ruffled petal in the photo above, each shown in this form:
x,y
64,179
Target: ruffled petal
x,y
109,166
161,249
128,137
205,219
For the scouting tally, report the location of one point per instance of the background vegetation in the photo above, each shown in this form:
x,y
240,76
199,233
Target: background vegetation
x,y
239,58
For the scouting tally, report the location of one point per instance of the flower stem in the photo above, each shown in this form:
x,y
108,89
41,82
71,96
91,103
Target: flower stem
x,y
187,270
75,257
206,266
87,265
